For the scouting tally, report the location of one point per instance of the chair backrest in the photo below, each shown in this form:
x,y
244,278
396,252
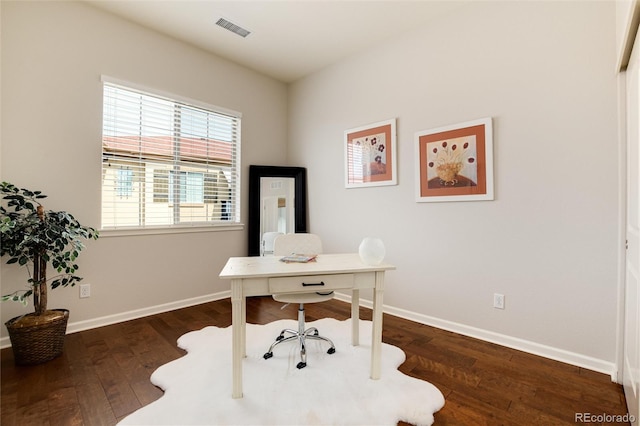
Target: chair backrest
x,y
287,244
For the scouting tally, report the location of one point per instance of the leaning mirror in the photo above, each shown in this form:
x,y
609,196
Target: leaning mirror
x,y
277,205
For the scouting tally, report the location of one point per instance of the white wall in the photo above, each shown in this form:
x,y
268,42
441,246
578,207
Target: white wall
x,y
53,54
545,72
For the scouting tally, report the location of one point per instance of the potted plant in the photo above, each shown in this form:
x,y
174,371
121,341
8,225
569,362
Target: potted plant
x,y
33,238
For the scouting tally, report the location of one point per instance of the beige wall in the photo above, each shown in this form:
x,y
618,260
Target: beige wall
x,y
545,72
53,56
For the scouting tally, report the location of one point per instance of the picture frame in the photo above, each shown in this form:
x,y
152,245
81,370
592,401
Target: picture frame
x,y
370,155
455,163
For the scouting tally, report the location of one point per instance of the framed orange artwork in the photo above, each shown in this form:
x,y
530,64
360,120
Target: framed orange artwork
x,y
455,163
370,155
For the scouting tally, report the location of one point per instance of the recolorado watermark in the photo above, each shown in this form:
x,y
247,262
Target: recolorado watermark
x,y
604,418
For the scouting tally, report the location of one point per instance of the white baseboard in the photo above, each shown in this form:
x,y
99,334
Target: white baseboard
x,y
74,327
534,348
557,354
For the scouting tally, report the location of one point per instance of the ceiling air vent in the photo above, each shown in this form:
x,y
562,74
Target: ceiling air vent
x,y
233,27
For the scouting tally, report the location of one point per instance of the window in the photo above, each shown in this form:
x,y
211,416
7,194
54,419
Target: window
x,y
167,162
124,182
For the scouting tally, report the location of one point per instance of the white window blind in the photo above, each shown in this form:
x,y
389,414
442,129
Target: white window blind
x,y
167,162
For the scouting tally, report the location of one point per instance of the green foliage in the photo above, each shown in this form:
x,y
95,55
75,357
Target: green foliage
x,y
54,238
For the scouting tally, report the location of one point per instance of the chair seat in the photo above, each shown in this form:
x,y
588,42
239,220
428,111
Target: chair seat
x,y
302,297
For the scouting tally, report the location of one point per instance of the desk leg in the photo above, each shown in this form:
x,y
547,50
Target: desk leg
x,y
238,322
376,337
243,327
355,317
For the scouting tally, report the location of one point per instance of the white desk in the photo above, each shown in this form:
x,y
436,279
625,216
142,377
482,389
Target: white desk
x,y
262,276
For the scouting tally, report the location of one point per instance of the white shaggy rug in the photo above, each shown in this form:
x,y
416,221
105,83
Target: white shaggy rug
x,y
332,390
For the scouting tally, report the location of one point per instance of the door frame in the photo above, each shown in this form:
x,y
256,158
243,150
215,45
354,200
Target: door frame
x,y
630,41
627,24
622,224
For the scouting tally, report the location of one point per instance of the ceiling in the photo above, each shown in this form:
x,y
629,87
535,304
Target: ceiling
x,y
289,38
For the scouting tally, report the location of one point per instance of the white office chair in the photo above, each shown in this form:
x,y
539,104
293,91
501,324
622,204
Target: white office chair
x,y
285,245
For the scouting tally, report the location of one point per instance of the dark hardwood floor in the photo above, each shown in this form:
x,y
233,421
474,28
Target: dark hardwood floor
x,y
103,374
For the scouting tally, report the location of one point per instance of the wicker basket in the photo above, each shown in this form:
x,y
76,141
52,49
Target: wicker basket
x,y
38,343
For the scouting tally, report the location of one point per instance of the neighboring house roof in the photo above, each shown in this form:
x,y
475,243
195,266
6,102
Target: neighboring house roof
x,y
163,147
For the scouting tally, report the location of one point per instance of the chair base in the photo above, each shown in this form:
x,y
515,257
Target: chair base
x,y
301,335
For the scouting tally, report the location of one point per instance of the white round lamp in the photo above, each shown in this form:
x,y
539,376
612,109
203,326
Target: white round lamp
x,y
372,250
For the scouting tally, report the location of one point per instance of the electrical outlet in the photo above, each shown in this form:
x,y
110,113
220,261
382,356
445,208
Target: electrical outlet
x,y
498,301
85,291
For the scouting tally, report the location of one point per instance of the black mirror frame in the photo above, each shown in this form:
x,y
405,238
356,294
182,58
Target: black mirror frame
x,y
299,174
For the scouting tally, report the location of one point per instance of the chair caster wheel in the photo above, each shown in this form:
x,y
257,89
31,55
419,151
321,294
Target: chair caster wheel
x,y
301,365
280,337
267,355
315,333
331,351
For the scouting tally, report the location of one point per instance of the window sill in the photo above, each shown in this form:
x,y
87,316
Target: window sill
x,y
160,230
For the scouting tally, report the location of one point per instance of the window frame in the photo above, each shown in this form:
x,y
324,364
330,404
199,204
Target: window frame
x,y
182,227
